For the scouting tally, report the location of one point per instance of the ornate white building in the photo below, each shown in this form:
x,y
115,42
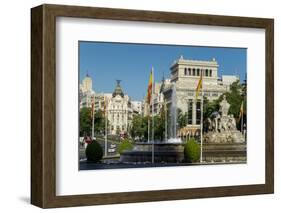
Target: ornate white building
x,y
185,75
118,107
119,111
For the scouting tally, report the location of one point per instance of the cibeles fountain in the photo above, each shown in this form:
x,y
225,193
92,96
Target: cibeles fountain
x,y
223,142
169,150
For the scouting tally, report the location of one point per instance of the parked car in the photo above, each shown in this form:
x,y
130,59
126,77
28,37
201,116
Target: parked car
x,y
111,150
112,145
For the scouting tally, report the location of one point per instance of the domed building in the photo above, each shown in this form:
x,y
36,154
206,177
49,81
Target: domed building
x,y
119,111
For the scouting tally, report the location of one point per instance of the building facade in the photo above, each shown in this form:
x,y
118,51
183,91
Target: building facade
x,y
119,111
137,107
183,81
86,92
184,77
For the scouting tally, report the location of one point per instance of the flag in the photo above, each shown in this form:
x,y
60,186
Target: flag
x,y
199,85
149,89
241,110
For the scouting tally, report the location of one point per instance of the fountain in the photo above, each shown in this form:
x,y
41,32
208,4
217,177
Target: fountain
x,y
223,142
174,115
168,151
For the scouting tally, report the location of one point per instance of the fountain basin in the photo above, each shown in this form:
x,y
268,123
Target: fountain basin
x,y
225,152
164,152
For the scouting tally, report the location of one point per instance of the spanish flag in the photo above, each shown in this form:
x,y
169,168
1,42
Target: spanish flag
x,y
241,110
199,85
149,89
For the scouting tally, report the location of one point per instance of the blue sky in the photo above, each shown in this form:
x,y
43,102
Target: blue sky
x,y
106,62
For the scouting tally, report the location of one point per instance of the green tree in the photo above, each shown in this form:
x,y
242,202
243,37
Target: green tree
x,y
159,127
85,121
192,151
94,152
234,97
139,126
210,107
99,122
125,145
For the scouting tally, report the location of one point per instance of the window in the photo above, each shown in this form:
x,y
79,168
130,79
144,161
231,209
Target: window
x,y
189,113
189,71
185,71
198,112
193,72
210,73
206,73
198,72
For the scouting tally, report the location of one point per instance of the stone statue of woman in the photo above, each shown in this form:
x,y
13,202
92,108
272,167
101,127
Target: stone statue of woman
x,y
224,107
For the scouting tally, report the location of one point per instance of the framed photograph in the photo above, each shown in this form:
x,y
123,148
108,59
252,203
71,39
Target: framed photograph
x,y
137,106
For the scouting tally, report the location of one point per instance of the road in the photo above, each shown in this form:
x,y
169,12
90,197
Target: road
x,y
112,147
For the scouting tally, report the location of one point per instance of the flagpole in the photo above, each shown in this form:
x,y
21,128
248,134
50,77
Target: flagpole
x,y
148,123
166,122
241,112
93,117
201,118
152,136
105,137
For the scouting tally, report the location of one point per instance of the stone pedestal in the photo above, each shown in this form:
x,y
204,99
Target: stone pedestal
x,y
233,136
163,152
225,153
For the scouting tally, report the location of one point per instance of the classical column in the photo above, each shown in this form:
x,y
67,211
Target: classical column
x,y
187,111
194,112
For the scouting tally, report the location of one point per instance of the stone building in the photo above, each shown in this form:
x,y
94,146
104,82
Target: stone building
x,y
158,99
185,75
100,99
227,80
86,92
117,106
119,111
136,107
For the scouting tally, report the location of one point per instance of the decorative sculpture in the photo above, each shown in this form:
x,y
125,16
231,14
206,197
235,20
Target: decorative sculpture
x,y
222,128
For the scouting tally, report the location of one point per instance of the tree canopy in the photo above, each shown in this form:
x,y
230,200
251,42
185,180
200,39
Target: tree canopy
x,y
86,122
234,97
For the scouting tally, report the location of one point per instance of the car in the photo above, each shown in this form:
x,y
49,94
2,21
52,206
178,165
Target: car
x,y
112,145
111,150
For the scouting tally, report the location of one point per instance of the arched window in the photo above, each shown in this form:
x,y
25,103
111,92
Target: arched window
x,y
210,73
185,71
193,71
206,73
189,71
